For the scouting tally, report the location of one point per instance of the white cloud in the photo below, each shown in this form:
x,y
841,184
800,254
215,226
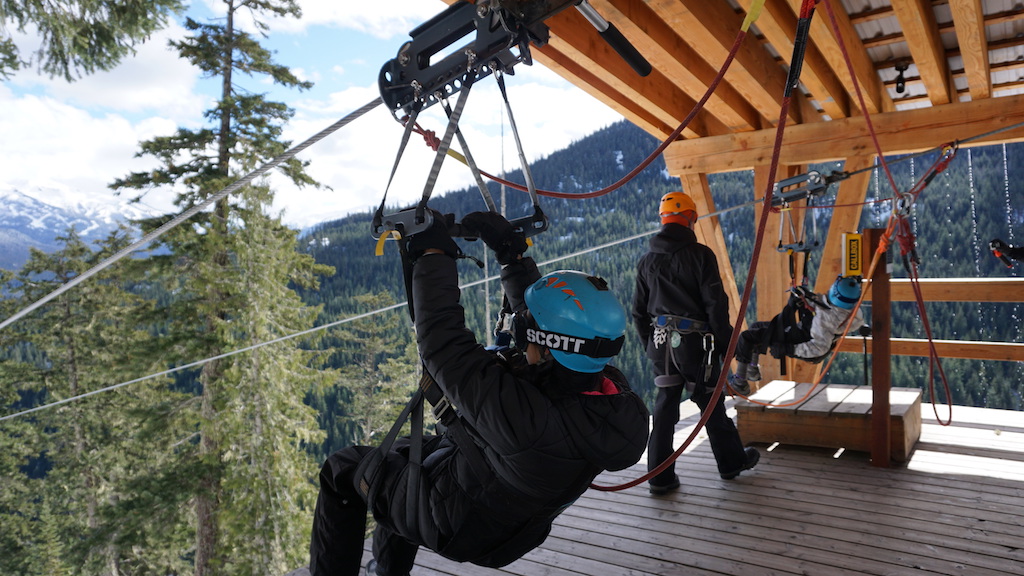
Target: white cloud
x,y
77,138
379,19
155,79
357,160
69,141
61,147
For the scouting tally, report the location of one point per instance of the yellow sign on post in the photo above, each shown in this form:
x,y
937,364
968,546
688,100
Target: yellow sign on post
x,y
853,264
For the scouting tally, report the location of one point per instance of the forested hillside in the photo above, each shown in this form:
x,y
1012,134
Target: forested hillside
x,y
112,478
976,199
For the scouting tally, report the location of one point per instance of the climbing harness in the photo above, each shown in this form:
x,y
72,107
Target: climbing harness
x,y
668,332
370,471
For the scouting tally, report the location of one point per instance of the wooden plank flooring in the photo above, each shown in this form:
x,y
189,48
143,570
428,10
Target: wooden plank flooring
x,y
956,508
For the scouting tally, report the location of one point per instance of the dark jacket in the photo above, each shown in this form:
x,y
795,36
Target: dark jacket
x,y
542,450
680,277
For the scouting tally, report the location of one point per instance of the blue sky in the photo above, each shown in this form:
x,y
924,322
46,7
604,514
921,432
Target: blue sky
x,y
64,142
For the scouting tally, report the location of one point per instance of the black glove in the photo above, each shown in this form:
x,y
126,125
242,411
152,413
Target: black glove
x,y
436,236
998,244
497,233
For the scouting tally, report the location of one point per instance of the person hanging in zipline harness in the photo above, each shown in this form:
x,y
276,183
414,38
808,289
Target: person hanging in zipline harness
x,y
681,313
529,430
1005,252
806,329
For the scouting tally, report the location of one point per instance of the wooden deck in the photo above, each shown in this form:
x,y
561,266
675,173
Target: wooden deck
x,y
955,508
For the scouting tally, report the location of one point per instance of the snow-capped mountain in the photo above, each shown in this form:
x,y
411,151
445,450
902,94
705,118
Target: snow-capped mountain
x,y
26,222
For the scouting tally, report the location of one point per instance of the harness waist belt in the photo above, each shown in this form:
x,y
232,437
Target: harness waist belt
x,y
680,324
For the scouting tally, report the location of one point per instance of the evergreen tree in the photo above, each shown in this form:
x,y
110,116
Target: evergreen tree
x,y
79,37
77,457
380,372
232,273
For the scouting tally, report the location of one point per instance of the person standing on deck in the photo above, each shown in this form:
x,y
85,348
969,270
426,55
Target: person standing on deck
x,y
681,312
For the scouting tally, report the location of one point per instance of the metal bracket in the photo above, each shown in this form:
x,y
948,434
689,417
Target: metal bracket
x,y
497,27
790,190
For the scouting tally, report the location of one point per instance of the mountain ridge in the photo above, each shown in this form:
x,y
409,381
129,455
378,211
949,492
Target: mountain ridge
x,y
27,222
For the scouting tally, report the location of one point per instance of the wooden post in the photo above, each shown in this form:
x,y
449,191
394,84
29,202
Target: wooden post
x,y
881,363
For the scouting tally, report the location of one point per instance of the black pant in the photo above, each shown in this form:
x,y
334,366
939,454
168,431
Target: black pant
x,y
339,523
725,439
754,340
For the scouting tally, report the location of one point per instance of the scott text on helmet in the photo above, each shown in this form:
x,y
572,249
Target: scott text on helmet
x,y
555,341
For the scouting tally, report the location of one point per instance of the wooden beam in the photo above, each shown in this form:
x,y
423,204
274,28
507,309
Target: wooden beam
x,y
573,36
851,195
668,52
881,363
968,349
778,24
772,274
917,19
969,21
710,28
958,290
589,82
822,35
900,132
709,233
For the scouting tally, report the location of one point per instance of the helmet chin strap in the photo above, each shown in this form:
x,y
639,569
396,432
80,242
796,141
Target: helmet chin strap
x,y
536,354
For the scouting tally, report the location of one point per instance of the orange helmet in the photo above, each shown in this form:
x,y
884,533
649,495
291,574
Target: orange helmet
x,y
673,207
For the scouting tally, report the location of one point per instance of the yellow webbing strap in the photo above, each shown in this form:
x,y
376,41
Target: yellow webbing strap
x,y
383,237
755,12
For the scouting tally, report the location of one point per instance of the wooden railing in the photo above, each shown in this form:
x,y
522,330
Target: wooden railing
x,y
953,290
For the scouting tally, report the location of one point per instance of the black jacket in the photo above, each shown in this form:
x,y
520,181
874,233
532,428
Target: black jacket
x,y
680,276
542,450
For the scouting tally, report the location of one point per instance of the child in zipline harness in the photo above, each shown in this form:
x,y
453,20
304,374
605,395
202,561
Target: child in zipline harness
x,y
806,329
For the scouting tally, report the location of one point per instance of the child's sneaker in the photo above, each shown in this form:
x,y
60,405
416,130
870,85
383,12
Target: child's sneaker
x,y
738,385
753,373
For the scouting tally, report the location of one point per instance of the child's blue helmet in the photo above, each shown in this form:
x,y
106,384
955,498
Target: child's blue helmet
x,y
845,292
576,317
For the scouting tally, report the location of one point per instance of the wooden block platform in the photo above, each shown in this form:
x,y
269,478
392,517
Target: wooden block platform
x,y
831,416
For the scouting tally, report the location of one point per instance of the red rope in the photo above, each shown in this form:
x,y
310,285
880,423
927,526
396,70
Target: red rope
x,y
429,136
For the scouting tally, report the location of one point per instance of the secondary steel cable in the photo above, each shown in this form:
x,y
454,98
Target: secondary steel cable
x,y
930,150
462,286
177,220
201,362
305,332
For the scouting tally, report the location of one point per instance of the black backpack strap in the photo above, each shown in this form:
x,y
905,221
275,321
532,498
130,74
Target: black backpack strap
x,y
371,468
455,426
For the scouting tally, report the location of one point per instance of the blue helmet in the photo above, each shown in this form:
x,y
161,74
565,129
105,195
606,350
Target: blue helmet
x,y
845,292
576,317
